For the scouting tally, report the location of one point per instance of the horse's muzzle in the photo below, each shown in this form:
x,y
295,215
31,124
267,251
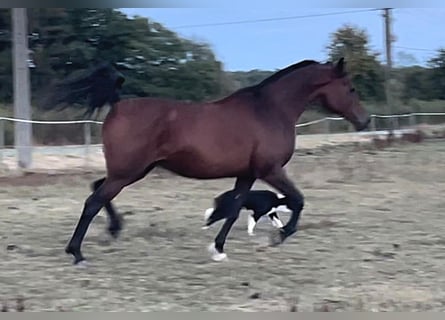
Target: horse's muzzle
x,y
362,125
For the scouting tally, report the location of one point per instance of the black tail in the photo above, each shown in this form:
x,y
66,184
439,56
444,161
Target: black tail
x,y
98,87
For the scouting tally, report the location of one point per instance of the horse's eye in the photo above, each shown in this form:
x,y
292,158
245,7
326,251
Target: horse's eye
x,y
352,90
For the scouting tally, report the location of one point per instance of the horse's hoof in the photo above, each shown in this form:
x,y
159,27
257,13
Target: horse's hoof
x,y
114,232
115,228
218,257
79,260
69,249
215,254
82,264
276,237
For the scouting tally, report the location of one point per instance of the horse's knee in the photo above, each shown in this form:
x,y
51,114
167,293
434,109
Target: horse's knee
x,y
296,202
96,184
101,197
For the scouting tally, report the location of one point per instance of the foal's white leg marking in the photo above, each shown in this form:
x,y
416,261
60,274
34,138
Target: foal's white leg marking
x,y
276,222
215,255
250,224
283,208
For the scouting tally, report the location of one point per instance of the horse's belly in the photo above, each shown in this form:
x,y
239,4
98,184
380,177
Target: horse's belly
x,y
193,165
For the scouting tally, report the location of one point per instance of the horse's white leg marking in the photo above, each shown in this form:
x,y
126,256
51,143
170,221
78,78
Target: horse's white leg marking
x,y
215,255
207,215
82,264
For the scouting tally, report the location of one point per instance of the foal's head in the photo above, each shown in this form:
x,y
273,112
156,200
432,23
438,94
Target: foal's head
x,y
336,93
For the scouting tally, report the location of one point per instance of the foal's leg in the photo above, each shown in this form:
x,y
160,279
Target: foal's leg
x,y
239,193
273,216
115,221
278,179
253,219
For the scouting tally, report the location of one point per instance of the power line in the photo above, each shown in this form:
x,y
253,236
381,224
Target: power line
x,y
272,19
415,49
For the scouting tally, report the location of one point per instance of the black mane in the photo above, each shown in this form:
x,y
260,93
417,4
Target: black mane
x,y
281,73
277,75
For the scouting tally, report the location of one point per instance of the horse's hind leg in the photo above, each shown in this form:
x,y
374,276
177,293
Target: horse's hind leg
x,y
103,195
115,221
106,191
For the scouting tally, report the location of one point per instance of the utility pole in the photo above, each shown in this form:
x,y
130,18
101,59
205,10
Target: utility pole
x,y
388,68
22,100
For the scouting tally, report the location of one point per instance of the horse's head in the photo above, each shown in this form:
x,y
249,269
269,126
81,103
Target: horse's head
x,y
337,94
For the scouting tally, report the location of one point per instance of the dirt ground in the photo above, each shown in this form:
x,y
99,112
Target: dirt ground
x,y
371,239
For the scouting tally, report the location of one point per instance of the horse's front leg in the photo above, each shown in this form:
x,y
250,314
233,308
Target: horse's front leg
x,y
278,179
115,220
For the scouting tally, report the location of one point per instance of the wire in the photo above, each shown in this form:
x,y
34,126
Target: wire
x,y
414,49
272,19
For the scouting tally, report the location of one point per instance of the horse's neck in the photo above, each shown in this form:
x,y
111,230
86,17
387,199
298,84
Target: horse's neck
x,y
290,96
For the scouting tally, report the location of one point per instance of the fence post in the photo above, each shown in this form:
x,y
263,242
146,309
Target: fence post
x,y
2,140
327,126
87,141
412,120
372,126
395,120
351,127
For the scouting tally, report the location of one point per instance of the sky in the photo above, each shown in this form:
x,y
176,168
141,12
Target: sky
x,y
272,45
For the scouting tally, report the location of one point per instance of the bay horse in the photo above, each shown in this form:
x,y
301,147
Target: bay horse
x,y
247,135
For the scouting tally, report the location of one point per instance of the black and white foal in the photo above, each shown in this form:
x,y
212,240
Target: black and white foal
x,y
260,202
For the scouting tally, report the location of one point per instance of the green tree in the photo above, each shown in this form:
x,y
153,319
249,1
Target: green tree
x,y
155,60
352,43
5,55
416,83
437,75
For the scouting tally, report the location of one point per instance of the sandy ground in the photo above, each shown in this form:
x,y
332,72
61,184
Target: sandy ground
x,y
371,238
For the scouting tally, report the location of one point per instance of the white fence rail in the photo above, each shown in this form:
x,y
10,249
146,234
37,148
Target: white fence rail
x,y
298,125
374,116
87,132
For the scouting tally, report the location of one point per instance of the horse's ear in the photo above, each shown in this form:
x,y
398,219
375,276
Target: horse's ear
x,y
340,67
